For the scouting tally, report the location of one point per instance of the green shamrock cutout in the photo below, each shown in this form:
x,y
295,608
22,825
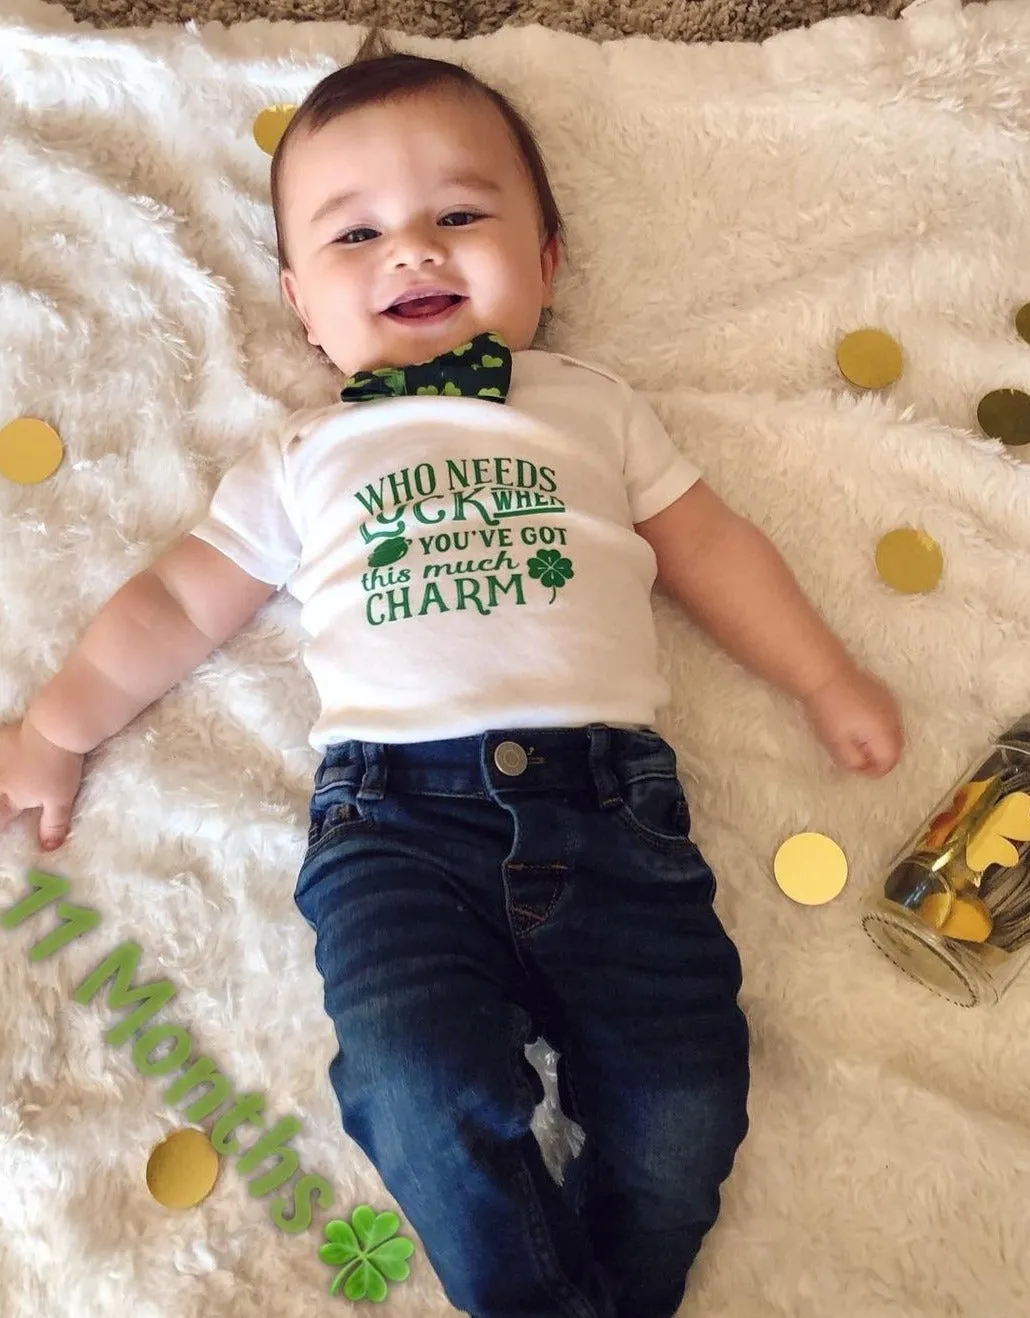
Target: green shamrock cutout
x,y
451,388
551,569
388,551
460,352
488,393
368,1252
492,361
427,389
391,374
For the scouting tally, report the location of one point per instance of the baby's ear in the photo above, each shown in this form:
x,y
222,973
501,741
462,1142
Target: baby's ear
x,y
288,283
550,258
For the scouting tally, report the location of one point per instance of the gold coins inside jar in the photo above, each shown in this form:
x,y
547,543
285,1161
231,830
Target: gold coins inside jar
x,y
954,909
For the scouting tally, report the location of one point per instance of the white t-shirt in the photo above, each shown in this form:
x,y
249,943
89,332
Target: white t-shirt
x,y
462,564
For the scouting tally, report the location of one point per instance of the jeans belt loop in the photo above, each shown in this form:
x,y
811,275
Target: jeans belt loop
x,y
373,782
602,767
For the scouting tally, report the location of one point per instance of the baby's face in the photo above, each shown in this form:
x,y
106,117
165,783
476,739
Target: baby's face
x,y
411,226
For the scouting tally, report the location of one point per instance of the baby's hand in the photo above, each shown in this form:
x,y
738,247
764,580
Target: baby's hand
x,y
858,720
33,773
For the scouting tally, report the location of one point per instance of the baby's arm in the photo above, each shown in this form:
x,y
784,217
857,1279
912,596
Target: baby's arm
x,y
152,633
730,578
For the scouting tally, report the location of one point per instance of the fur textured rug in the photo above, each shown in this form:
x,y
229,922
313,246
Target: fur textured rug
x,y
689,20
732,211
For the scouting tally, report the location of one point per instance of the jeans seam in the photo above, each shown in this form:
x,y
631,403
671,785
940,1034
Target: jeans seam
x,y
571,1298
574,1112
515,908
548,1262
528,914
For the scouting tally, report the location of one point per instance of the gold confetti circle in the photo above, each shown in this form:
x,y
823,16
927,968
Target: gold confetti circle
x,y
870,359
810,868
182,1169
1005,414
270,125
1023,322
936,907
909,561
30,451
969,921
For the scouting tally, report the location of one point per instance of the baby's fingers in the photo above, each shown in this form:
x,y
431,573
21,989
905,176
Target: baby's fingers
x,y
850,755
881,751
845,748
7,811
54,824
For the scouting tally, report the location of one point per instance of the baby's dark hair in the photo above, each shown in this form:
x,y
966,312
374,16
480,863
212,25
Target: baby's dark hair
x,y
378,73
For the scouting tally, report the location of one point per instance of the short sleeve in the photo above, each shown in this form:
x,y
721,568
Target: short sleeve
x,y
656,472
247,520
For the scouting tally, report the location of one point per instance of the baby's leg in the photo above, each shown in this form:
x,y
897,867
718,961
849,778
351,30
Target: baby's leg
x,y
424,989
654,1066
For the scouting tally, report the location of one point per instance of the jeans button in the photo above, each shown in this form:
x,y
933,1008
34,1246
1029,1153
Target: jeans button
x,y
511,759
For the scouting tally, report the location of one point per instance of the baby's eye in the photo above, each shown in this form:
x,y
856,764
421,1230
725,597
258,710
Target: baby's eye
x,y
362,235
457,219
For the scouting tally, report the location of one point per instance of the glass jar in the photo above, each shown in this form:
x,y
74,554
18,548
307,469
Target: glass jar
x,y
954,911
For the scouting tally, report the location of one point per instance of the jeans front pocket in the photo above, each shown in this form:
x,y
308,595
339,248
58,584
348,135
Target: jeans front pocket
x,y
335,810
655,808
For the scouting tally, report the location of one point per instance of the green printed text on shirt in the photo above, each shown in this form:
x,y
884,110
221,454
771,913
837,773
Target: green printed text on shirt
x,y
453,536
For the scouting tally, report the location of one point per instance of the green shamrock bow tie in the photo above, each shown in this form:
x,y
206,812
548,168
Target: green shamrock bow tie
x,y
478,369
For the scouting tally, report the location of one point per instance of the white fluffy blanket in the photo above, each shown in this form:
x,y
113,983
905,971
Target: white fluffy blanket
x,y
732,211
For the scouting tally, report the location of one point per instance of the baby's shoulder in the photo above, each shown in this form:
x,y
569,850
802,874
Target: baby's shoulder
x,y
298,425
574,370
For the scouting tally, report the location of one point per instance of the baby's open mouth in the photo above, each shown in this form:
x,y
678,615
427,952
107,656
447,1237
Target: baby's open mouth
x,y
423,306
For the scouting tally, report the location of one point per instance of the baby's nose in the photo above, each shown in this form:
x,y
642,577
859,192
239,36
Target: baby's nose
x,y
418,246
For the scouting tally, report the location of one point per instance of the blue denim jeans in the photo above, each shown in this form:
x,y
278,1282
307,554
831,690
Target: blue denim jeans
x,y
471,895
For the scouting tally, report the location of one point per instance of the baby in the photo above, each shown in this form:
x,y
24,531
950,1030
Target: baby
x,y
499,846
